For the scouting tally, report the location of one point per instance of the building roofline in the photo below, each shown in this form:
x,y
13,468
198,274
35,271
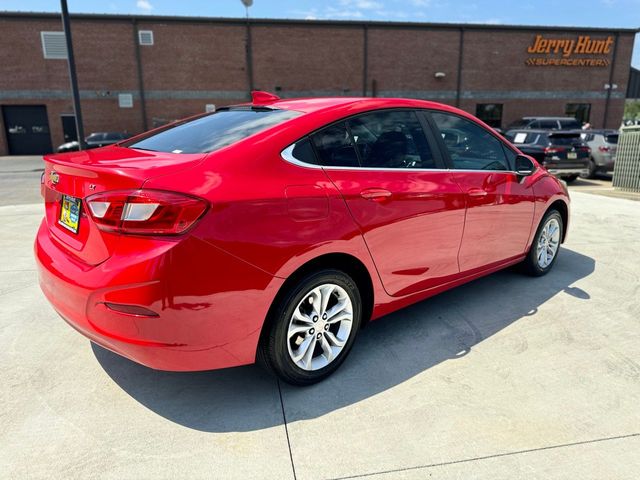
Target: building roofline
x,y
297,22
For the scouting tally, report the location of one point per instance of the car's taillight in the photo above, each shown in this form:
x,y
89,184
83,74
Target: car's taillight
x,y
145,212
549,150
604,148
583,149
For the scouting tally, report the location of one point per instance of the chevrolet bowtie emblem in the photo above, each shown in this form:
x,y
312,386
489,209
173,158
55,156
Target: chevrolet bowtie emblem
x,y
54,178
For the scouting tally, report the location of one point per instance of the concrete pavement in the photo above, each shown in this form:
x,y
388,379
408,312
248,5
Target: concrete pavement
x,y
505,377
20,180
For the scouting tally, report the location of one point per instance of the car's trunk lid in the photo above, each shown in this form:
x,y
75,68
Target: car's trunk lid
x,y
81,174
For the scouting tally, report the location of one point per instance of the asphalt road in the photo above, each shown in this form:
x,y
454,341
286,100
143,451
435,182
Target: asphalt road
x,y
505,377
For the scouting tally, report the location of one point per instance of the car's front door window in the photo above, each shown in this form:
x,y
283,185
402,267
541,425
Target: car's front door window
x,y
470,146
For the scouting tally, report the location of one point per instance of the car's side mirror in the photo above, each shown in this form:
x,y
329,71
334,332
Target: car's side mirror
x,y
524,166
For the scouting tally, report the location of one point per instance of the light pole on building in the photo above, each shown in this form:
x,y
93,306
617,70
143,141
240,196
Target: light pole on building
x,y
72,73
247,4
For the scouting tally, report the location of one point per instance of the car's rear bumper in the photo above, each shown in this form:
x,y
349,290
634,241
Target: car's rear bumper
x,y
565,172
606,163
209,306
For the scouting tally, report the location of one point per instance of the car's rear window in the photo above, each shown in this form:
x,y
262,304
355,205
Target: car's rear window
x,y
565,138
612,138
212,132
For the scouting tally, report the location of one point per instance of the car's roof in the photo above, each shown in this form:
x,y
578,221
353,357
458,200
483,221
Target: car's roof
x,y
310,105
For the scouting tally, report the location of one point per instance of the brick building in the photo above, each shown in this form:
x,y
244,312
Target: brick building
x,y
135,72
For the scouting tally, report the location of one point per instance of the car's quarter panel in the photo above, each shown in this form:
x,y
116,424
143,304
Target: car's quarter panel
x,y
413,234
268,212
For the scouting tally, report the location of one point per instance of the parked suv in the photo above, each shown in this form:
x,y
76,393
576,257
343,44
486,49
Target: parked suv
x,y
547,123
603,144
563,153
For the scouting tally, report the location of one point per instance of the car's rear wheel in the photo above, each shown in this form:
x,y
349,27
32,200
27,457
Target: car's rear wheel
x,y
546,244
313,328
570,178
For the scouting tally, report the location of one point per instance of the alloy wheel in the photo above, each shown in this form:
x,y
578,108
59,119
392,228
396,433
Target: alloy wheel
x,y
320,327
548,243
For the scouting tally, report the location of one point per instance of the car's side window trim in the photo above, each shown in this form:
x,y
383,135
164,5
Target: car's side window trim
x,y
287,153
432,138
443,148
438,138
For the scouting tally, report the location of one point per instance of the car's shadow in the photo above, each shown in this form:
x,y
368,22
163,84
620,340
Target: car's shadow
x,y
388,352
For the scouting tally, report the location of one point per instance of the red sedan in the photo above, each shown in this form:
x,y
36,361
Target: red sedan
x,y
275,230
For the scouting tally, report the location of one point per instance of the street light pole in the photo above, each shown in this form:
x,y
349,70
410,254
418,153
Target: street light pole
x,y
72,73
247,4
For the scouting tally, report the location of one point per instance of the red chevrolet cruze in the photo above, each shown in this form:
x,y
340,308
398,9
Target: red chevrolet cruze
x,y
275,230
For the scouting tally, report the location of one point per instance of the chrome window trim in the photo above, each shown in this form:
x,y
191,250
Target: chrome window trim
x,y
287,155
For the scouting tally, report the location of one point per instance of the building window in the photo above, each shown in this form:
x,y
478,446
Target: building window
x,y
490,113
145,37
125,100
579,111
54,45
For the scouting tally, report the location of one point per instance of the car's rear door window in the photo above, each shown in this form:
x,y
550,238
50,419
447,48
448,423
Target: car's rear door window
x,y
334,146
391,139
214,131
470,146
612,138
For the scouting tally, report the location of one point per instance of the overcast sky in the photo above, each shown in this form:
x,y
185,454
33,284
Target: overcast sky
x,y
594,13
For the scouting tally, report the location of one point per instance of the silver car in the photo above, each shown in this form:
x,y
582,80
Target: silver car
x,y
603,144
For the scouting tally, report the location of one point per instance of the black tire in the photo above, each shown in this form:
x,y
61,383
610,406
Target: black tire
x,y
570,178
273,351
593,170
530,263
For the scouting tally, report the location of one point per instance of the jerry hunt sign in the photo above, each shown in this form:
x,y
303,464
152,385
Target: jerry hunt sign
x,y
563,52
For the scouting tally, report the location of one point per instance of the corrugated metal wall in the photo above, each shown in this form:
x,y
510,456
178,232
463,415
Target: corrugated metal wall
x,y
626,173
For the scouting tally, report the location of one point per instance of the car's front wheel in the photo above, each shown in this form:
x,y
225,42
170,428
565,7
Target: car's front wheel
x,y
546,244
313,328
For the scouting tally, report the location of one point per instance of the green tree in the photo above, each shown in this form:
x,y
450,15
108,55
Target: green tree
x,y
632,110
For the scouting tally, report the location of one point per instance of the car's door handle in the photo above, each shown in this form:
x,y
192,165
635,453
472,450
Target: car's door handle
x,y
477,192
376,194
